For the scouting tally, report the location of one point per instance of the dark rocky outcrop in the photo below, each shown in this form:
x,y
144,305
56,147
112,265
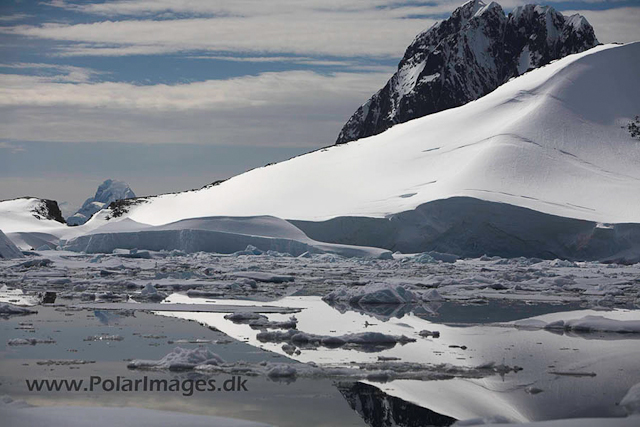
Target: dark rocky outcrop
x,y
379,409
464,58
48,209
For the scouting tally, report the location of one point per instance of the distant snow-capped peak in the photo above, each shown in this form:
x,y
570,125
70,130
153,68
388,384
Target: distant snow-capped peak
x,y
109,191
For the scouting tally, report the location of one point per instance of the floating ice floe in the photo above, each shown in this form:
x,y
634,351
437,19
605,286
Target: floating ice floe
x,y
7,309
29,341
373,293
16,296
373,341
179,359
263,277
260,321
40,262
584,324
104,337
282,370
150,293
631,401
432,295
244,317
197,293
291,323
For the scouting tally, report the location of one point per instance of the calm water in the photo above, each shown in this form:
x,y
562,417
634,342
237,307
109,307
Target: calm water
x,y
554,366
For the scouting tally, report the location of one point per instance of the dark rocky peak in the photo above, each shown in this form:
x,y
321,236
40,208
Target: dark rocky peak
x,y
540,34
466,56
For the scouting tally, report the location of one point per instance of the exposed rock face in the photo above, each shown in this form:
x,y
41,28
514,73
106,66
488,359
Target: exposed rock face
x,y
108,192
48,209
465,57
378,409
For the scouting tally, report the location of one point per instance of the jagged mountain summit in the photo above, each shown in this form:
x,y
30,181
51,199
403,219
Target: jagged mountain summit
x,y
465,57
109,191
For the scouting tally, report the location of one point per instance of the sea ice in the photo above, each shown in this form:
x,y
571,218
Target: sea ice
x,y
373,293
631,401
7,309
584,324
179,359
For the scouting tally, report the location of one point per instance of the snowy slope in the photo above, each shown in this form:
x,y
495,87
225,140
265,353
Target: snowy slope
x,y
32,223
30,214
551,140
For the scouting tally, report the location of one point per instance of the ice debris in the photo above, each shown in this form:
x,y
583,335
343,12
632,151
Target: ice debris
x,y
7,309
584,324
179,359
373,293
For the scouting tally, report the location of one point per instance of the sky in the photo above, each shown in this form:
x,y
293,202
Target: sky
x,y
171,95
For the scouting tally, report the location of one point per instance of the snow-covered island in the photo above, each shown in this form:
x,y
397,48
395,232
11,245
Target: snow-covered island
x,y
467,253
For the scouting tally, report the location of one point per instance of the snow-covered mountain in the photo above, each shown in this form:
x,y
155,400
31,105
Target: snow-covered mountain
x,y
109,191
552,140
539,167
465,57
542,166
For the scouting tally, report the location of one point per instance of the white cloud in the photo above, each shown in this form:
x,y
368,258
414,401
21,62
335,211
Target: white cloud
x,y
249,7
15,17
245,8
266,89
323,33
310,27
290,59
377,28
293,108
300,108
343,64
65,73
